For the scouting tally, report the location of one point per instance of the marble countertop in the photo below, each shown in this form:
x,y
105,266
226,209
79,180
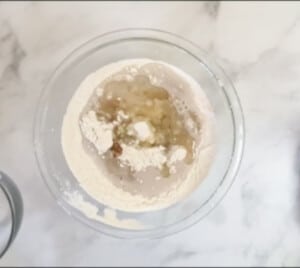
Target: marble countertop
x,y
258,44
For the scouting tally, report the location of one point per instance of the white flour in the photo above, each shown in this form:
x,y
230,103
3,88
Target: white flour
x,y
109,216
97,132
94,180
142,131
176,154
140,159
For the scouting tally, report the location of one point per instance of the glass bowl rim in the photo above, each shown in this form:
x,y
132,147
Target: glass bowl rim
x,y
236,115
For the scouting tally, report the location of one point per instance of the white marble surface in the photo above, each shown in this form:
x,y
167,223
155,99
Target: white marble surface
x,y
258,44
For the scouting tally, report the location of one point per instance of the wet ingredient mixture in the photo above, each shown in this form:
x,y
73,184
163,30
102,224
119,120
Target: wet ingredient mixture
x,y
140,131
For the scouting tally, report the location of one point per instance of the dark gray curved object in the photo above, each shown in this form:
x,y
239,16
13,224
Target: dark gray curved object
x,y
16,207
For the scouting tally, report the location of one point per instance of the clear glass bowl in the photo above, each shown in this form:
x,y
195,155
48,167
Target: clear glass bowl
x,y
157,45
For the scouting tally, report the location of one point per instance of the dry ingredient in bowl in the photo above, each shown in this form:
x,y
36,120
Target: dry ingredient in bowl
x,y
138,135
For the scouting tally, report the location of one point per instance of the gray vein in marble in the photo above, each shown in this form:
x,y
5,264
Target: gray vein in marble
x,y
262,256
15,52
176,255
251,200
291,28
212,8
236,69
